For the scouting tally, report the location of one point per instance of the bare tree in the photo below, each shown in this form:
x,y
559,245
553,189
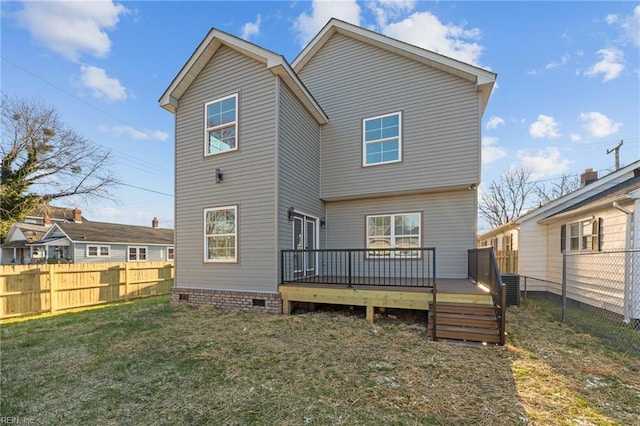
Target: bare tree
x,y
505,200
43,160
566,184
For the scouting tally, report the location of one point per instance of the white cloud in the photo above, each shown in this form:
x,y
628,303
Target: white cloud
x,y
547,162
425,30
610,66
544,127
563,60
490,152
384,10
322,11
575,137
103,86
629,25
251,28
599,125
73,27
134,133
494,122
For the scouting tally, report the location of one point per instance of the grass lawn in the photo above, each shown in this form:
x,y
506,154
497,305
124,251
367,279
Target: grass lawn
x,y
150,363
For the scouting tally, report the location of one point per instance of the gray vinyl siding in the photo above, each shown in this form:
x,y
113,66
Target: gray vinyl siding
x,y
118,253
298,165
448,223
249,177
441,120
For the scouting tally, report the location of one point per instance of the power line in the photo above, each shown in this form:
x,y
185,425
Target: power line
x,y
145,189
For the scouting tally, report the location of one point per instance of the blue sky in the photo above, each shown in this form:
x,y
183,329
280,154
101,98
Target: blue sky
x,y
568,83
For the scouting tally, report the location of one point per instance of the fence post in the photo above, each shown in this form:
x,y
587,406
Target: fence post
x,y
126,281
52,290
564,287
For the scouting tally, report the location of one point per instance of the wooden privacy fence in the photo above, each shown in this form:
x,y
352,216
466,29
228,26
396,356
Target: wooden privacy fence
x,y
36,289
507,261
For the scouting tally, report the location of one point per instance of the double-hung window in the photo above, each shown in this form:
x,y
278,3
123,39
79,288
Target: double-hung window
x,y
170,253
394,231
98,251
582,236
221,125
382,139
220,234
137,254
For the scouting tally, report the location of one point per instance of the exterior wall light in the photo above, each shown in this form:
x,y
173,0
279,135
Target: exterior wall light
x,y
290,214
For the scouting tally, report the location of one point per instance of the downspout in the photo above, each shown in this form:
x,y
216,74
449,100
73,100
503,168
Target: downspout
x,y
628,246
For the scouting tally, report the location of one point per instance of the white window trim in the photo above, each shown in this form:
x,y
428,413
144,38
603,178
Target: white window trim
x,y
171,258
365,143
98,247
207,129
137,259
580,236
205,235
392,235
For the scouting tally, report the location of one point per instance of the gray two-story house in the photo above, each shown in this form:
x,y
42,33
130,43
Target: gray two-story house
x,y
363,142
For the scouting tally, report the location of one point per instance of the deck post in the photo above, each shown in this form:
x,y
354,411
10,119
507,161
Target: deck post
x,y
349,267
286,307
370,310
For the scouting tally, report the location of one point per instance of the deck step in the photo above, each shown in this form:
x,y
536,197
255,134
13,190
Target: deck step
x,y
463,320
468,334
466,322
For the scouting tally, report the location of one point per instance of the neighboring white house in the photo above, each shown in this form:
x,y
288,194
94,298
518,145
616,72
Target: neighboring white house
x,y
504,240
598,217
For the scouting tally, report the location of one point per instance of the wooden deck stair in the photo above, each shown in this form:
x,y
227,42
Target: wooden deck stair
x,y
467,322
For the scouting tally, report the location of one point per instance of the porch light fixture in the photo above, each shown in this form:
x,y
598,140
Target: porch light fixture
x,y
290,214
323,223
219,176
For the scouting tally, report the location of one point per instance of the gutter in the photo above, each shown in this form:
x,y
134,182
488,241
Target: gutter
x,y
628,246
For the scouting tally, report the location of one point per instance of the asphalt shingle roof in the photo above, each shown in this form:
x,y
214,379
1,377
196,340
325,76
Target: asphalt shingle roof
x,y
116,233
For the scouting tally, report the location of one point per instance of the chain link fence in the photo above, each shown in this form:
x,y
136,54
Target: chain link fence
x,y
599,294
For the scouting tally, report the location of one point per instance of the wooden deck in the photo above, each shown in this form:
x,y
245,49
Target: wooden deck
x,y
382,296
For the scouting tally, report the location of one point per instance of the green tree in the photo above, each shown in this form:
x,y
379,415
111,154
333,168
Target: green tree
x,y
44,160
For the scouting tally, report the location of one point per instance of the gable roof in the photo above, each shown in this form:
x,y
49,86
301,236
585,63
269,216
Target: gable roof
x,y
29,231
53,212
615,193
112,233
576,199
274,62
482,78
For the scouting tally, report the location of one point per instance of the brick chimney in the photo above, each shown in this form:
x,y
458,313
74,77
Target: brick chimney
x,y
77,215
154,223
46,220
589,176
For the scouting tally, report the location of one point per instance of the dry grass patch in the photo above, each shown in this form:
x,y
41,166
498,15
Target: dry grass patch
x,y
150,363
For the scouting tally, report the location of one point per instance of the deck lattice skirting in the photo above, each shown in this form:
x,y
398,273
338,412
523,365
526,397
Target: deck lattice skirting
x,y
226,299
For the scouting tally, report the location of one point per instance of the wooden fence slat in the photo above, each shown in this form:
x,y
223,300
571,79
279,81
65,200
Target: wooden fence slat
x,y
34,289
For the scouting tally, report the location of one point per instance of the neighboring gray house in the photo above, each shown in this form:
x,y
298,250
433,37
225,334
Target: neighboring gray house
x,y
87,242
15,248
362,142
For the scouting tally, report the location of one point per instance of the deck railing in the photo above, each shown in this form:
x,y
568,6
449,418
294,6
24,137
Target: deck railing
x,y
415,267
483,269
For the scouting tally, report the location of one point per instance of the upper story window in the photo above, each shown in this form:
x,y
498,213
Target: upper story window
x,y
396,231
170,253
382,139
220,234
221,125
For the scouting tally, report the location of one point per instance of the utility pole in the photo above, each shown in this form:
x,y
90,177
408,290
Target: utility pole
x,y
617,154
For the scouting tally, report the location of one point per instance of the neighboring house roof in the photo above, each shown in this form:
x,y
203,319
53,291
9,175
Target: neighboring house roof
x,y
28,233
495,231
53,212
572,199
274,62
110,233
617,192
483,78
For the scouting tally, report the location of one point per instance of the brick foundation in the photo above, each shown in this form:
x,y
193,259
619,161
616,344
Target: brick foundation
x,y
225,299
